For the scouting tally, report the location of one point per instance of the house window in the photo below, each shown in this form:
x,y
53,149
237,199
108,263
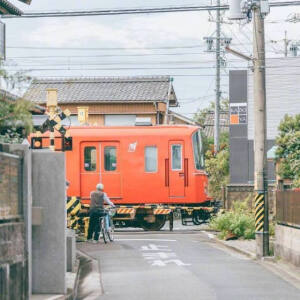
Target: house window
x,y
119,120
151,159
176,157
110,158
90,158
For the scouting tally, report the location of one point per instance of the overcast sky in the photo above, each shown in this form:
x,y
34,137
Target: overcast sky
x,y
136,31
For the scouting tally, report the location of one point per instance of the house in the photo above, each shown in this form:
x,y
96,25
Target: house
x,y
210,120
283,97
7,8
111,100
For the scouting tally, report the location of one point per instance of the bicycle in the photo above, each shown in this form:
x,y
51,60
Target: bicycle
x,y
107,226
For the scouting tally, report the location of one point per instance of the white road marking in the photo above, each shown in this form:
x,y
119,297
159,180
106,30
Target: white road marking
x,y
153,247
162,257
161,263
155,240
158,255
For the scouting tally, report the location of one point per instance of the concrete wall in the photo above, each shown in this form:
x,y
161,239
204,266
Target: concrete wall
x,y
49,238
287,244
240,192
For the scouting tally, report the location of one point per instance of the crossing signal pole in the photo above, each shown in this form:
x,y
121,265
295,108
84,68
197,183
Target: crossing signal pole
x,y
257,9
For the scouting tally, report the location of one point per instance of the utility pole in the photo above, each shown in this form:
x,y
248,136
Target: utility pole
x,y
260,134
220,41
257,9
218,79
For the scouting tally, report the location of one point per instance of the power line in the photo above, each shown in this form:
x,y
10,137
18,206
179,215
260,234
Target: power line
x,y
128,11
106,48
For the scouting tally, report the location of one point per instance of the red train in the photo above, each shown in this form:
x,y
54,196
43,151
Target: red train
x,y
148,172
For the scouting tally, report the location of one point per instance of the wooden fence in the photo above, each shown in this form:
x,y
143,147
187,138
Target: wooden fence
x,y
288,208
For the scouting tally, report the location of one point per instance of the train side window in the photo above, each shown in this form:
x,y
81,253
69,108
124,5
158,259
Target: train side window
x,y
110,158
176,157
151,159
90,158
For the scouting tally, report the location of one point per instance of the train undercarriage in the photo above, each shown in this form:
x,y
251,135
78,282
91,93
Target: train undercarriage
x,y
148,217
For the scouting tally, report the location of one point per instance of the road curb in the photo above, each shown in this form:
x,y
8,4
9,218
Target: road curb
x,y
236,249
88,281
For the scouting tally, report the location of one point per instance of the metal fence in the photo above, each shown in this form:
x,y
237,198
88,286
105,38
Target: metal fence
x,y
288,208
10,186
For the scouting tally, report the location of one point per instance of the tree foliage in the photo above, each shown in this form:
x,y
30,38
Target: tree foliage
x,y
217,168
288,149
216,164
15,115
200,115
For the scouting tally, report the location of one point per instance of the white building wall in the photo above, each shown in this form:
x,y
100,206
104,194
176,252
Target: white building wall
x,y
283,93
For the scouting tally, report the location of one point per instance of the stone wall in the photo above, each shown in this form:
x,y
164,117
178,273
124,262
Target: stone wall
x,y
240,192
287,244
13,261
13,250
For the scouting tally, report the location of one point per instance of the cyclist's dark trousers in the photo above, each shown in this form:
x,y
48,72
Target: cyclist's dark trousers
x,y
94,225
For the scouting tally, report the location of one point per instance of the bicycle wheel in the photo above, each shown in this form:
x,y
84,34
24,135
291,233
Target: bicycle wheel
x,y
110,233
104,231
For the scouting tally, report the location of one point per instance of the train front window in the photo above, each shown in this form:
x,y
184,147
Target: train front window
x,y
110,158
90,158
198,150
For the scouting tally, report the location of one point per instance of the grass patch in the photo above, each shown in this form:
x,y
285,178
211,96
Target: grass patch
x,y
239,222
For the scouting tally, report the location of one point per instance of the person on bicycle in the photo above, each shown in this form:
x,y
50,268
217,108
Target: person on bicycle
x,y
98,198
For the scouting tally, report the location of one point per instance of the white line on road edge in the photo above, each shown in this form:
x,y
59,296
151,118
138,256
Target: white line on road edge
x,y
156,240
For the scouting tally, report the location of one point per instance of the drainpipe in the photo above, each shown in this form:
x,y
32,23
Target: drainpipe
x,y
157,112
168,101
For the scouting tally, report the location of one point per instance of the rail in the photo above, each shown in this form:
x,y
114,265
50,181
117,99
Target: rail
x,y
288,208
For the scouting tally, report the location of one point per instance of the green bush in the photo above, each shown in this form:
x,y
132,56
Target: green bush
x,y
239,221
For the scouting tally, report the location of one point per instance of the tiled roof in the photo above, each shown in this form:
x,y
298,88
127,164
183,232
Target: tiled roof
x,y
182,118
104,89
209,123
7,8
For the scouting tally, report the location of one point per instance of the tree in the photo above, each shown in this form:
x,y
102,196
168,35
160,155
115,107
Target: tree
x,y
216,164
15,114
288,149
200,115
217,168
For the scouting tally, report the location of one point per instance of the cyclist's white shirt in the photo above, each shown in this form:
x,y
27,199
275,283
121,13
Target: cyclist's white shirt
x,y
106,200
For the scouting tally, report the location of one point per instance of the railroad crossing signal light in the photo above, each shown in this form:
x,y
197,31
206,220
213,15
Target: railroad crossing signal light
x,y
36,143
67,143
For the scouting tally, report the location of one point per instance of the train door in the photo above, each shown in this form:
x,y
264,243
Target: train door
x,y
176,169
100,163
110,169
89,168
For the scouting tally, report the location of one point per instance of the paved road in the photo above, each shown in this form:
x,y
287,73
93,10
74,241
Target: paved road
x,y
181,266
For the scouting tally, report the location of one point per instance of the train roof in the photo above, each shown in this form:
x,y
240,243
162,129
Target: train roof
x,y
161,130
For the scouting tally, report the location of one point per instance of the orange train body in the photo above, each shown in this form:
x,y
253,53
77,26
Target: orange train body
x,y
138,165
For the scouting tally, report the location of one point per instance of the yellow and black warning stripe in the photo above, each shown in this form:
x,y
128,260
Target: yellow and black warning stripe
x,y
73,206
73,209
259,212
